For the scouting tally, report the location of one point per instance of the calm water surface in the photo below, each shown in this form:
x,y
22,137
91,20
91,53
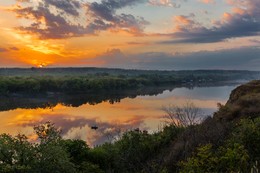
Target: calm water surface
x,y
142,112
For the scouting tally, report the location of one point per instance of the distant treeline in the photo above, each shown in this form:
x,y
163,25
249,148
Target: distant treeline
x,y
70,80
116,72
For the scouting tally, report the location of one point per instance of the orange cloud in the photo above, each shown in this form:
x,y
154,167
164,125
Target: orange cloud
x,y
182,20
238,10
165,3
207,1
182,23
51,20
227,17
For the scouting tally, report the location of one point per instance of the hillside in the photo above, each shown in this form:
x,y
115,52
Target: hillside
x,y
244,102
235,123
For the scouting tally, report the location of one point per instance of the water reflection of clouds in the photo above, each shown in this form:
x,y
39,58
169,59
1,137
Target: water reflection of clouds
x,y
80,127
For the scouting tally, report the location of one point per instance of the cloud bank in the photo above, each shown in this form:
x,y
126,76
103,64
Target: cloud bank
x,y
57,19
243,21
246,58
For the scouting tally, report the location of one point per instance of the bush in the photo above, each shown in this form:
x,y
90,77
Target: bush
x,y
233,158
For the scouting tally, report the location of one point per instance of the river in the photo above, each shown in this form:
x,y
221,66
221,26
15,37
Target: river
x,y
110,116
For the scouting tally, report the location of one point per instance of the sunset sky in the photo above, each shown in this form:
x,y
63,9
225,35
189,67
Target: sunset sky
x,y
139,34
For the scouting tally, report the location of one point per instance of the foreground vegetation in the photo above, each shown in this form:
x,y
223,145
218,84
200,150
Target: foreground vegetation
x,y
227,142
72,80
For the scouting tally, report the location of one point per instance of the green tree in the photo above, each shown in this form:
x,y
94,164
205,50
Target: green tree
x,y
16,154
228,158
51,155
47,132
247,133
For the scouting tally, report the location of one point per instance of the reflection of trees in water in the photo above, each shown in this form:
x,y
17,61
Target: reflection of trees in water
x,y
50,100
75,100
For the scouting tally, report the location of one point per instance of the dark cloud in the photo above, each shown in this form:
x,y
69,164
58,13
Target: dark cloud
x,y
106,11
244,21
247,58
3,49
14,48
236,28
48,25
67,6
255,41
55,19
